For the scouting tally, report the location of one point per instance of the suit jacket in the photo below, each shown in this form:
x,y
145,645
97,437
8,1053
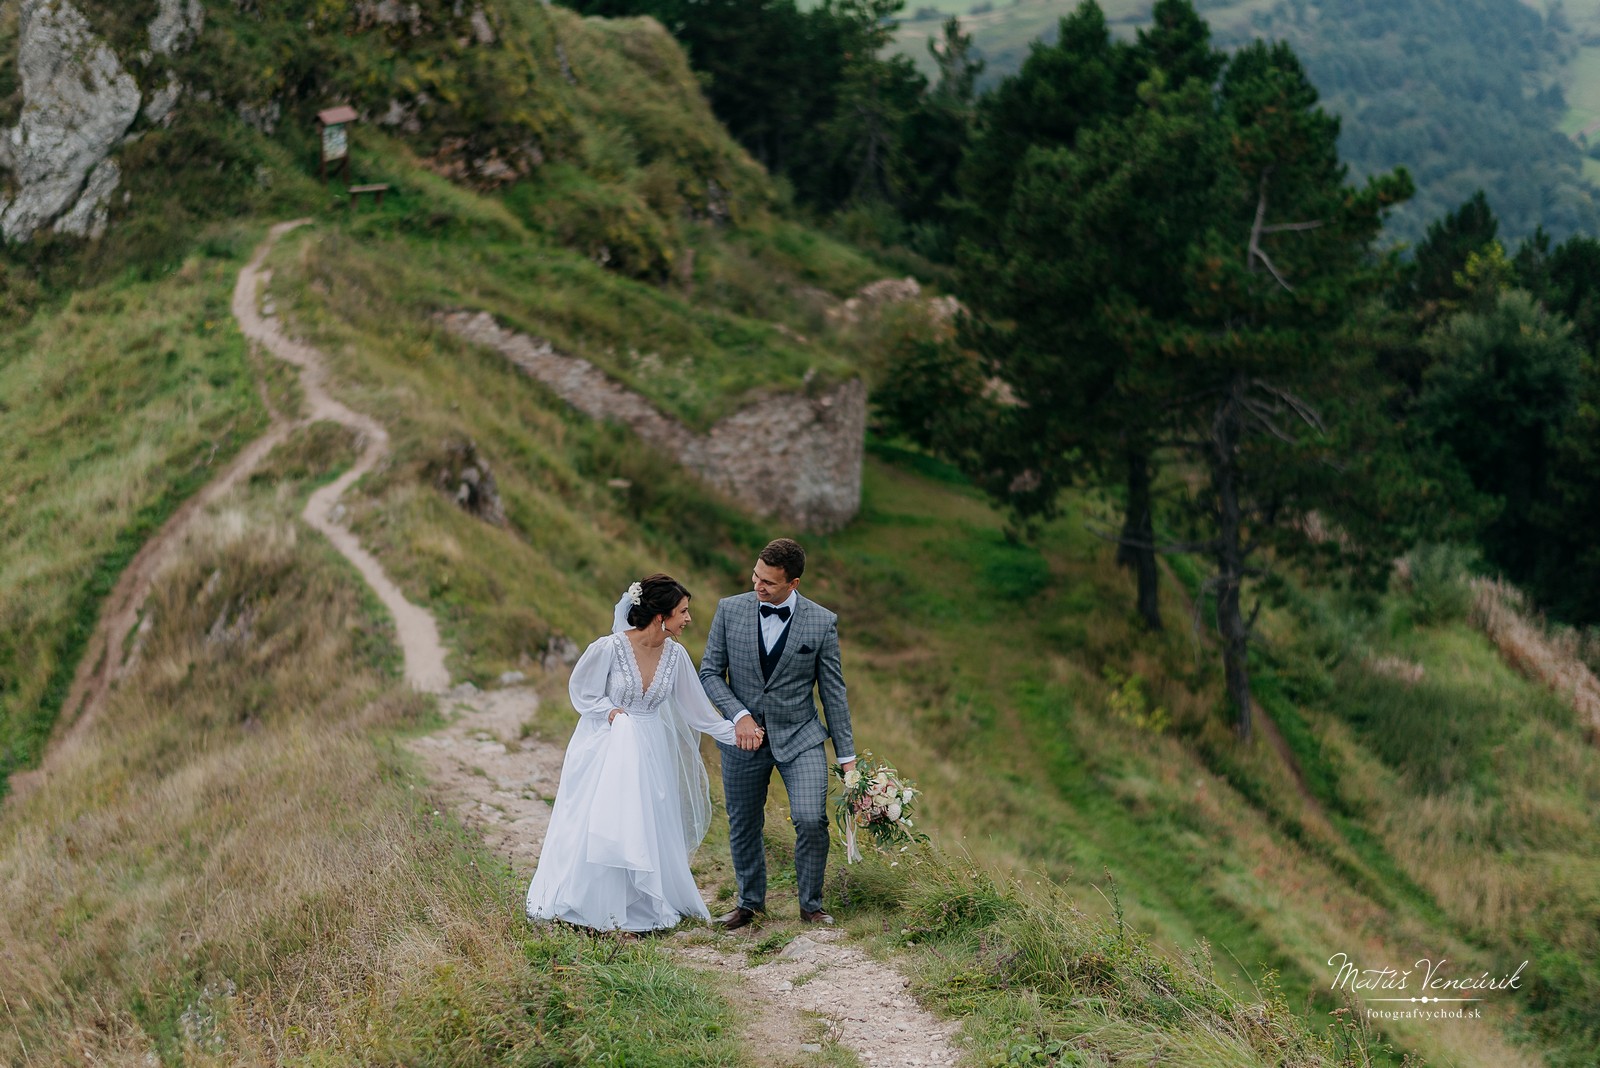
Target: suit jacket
x,y
783,704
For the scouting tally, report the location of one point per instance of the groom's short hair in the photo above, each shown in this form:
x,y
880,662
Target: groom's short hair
x,y
787,554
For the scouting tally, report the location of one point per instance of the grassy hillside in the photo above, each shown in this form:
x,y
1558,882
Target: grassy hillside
x,y
239,863
640,156
1581,79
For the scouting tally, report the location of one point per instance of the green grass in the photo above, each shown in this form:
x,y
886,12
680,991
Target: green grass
x,y
119,402
1039,982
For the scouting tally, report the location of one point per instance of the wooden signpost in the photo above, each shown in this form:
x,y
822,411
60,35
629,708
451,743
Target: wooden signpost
x,y
333,128
335,140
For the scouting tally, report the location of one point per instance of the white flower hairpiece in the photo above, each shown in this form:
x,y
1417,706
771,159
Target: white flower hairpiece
x,y
636,593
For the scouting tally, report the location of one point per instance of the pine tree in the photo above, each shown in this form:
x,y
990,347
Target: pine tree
x,y
1175,281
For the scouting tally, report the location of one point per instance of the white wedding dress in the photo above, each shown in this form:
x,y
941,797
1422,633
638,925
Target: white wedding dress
x,y
634,800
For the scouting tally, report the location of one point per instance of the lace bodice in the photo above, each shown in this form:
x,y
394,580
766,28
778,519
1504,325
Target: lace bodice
x,y
607,676
625,684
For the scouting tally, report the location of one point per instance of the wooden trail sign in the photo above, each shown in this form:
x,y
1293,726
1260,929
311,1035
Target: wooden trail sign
x,y
333,126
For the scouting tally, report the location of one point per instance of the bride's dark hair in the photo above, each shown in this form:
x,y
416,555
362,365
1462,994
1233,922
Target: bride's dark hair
x,y
659,596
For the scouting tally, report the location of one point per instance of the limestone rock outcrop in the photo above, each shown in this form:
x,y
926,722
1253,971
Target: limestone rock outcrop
x,y
78,102
176,25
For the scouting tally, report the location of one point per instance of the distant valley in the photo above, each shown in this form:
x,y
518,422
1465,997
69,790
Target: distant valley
x,y
1491,94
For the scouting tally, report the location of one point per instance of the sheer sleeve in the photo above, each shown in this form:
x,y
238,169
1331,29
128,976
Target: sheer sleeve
x,y
589,675
693,704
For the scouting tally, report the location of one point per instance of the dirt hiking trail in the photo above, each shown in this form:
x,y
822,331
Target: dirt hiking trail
x,y
418,635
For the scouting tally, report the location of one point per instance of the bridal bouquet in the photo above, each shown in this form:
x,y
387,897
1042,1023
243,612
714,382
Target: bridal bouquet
x,y
878,801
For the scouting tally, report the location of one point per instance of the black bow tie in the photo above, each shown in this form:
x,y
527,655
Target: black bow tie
x,y
769,610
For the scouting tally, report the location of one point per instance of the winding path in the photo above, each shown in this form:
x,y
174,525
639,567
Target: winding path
x,y
418,634
108,656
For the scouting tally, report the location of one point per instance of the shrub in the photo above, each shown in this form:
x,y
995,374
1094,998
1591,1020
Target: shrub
x,y
1433,581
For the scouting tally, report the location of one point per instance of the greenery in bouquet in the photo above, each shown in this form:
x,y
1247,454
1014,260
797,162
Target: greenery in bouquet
x,y
876,801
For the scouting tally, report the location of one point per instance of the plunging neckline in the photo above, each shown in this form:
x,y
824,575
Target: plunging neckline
x,y
638,672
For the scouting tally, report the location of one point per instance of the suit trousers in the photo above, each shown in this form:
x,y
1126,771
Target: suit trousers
x,y
746,774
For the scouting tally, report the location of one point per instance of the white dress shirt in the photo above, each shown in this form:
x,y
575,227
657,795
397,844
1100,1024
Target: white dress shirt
x,y
773,626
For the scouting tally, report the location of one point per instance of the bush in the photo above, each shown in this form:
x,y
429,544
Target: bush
x,y
1433,581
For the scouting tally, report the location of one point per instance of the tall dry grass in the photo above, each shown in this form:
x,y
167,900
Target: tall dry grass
x,y
1554,657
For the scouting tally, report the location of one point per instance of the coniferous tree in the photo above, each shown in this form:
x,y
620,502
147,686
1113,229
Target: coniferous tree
x,y
1573,287
1499,396
1442,255
1080,79
936,136
1176,279
1065,93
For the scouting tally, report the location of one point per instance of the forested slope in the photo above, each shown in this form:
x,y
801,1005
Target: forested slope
x,y
1466,95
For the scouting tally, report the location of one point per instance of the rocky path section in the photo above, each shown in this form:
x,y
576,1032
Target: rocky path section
x,y
863,1003
494,776
491,772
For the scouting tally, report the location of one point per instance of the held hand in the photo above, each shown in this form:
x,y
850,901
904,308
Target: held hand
x,y
847,765
747,733
615,712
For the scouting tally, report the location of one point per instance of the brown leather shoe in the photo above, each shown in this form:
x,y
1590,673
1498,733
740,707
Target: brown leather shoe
x,y
816,917
732,921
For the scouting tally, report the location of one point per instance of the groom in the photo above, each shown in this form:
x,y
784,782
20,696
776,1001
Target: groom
x,y
766,651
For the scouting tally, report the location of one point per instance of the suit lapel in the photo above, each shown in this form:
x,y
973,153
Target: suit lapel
x,y
752,635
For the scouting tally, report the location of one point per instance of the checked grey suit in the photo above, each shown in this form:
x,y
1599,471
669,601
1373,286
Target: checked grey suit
x,y
731,671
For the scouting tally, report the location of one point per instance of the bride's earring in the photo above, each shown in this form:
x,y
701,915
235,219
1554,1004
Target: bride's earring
x,y
664,627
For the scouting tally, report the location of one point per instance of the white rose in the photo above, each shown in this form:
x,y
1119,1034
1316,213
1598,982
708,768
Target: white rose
x,y
852,778
893,810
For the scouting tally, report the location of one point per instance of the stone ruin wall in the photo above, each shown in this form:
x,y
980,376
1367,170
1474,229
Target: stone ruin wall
x,y
787,456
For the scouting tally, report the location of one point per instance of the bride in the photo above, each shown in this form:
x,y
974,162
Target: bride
x,y
634,800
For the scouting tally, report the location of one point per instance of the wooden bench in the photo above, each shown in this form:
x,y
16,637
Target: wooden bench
x,y
374,191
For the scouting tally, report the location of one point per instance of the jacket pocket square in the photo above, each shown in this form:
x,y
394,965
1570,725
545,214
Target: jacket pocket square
x,y
804,649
